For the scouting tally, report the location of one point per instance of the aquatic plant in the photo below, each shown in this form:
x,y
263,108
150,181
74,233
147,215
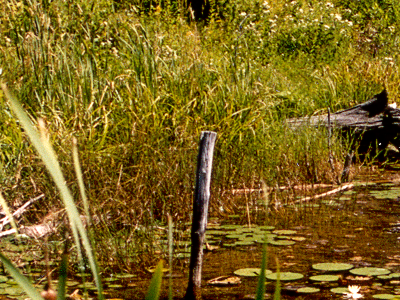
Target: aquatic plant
x,y
353,292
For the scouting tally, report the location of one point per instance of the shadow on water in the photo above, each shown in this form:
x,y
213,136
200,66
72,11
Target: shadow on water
x,y
360,227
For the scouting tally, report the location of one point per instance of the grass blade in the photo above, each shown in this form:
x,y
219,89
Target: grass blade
x,y
22,281
261,279
277,293
79,177
155,285
45,150
170,252
62,277
6,209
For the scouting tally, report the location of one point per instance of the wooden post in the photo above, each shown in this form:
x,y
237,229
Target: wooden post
x,y
200,212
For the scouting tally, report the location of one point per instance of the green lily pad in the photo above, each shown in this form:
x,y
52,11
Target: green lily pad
x,y
13,291
281,242
389,276
3,278
298,238
369,271
266,227
384,296
285,276
324,278
340,290
244,243
284,232
233,236
115,286
230,226
334,267
72,283
216,232
250,272
308,290
110,279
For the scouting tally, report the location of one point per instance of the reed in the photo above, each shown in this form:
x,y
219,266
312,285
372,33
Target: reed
x,y
136,84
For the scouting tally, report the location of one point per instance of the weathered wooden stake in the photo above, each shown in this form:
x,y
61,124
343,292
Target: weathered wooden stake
x,y
200,212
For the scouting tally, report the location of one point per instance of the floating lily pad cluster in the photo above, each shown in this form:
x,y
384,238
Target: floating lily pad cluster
x,y
238,235
234,236
392,193
331,275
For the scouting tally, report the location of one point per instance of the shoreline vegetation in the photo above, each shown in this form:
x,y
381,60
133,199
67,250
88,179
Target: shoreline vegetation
x,y
136,82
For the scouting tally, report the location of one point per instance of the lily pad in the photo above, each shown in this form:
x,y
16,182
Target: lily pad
x,y
233,236
369,271
298,238
389,276
340,290
284,232
250,272
216,232
266,227
285,276
281,242
334,267
308,290
230,226
324,278
244,243
3,278
384,296
115,286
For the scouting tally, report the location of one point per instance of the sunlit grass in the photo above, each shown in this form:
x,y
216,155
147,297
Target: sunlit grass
x,y
136,89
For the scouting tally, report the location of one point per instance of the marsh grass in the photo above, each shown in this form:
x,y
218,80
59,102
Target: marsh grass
x,y
137,84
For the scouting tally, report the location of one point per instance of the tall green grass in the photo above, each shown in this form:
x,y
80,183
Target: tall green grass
x,y
136,85
39,138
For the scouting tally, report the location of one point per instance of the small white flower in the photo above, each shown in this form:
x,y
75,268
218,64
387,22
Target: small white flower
x,y
353,289
329,5
243,14
338,17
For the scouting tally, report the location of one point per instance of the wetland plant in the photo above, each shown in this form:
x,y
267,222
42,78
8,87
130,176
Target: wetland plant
x,y
42,144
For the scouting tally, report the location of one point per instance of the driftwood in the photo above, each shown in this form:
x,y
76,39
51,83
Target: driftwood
x,y
4,221
373,123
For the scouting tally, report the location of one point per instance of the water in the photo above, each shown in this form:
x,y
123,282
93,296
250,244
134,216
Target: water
x,y
359,227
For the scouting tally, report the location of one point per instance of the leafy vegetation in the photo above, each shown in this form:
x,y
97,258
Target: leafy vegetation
x,y
137,81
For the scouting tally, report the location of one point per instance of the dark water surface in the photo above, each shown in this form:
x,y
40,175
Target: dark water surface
x,y
360,227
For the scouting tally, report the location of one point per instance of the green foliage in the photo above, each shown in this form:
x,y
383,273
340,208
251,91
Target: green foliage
x,y
260,292
20,279
136,82
155,285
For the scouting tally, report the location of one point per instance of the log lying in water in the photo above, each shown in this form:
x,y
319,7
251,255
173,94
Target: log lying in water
x,y
375,122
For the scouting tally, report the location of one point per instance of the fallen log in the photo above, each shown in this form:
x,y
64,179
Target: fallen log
x,y
373,124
